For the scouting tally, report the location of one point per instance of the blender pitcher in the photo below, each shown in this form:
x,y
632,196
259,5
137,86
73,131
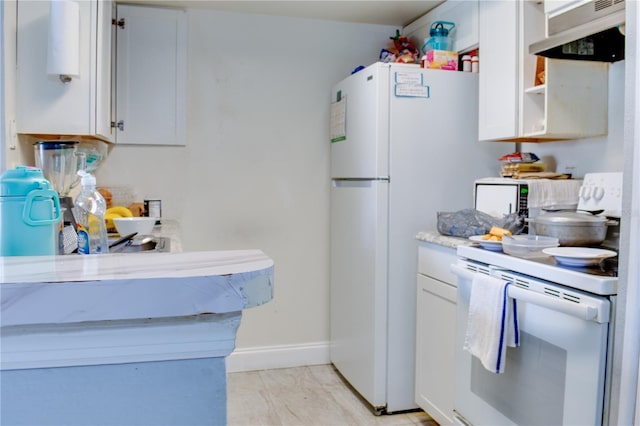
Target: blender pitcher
x,y
60,163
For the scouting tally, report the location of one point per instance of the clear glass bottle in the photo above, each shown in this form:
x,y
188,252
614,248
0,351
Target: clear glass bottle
x,y
89,210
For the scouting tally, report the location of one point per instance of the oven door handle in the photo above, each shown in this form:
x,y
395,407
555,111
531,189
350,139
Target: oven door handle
x,y
587,313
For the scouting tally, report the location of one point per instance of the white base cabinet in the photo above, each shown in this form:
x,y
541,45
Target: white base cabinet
x,y
435,332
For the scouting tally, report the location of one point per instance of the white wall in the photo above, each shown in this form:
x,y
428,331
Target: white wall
x,y
12,153
255,169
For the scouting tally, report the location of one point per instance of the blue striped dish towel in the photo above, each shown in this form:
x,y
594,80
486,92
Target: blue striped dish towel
x,y
492,323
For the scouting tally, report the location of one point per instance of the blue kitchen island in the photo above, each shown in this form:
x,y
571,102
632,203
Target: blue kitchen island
x,y
131,339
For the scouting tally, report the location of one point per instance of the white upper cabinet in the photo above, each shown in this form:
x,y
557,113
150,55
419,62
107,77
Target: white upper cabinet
x,y
151,70
498,77
526,98
45,105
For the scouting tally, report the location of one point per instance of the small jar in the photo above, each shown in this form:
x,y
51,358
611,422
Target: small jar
x,y
466,63
153,208
475,64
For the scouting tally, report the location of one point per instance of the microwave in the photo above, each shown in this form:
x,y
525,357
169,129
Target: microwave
x,y
501,196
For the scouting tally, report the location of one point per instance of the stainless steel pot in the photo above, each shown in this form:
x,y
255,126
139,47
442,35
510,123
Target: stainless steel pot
x,y
572,228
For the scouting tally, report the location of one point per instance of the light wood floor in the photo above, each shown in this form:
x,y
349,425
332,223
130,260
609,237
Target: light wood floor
x,y
303,396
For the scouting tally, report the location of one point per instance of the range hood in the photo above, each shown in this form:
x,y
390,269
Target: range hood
x,y
592,31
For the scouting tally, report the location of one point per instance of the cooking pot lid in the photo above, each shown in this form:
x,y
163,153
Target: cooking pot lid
x,y
571,219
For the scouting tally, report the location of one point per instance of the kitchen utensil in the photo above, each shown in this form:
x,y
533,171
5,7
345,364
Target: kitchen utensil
x,y
29,213
122,240
572,228
128,225
527,245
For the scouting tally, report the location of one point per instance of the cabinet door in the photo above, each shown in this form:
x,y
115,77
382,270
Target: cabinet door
x,y
499,92
435,348
151,75
104,54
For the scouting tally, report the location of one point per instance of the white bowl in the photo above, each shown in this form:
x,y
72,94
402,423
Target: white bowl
x,y
129,225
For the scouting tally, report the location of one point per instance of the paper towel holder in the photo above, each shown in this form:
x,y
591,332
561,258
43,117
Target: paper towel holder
x,y
63,53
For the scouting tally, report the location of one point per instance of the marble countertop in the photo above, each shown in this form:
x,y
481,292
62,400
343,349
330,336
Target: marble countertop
x,y
73,289
169,229
435,237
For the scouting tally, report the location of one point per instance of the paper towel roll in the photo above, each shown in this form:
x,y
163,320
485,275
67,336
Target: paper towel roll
x,y
63,56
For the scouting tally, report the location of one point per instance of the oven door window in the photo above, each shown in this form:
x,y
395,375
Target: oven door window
x,y
538,374
555,377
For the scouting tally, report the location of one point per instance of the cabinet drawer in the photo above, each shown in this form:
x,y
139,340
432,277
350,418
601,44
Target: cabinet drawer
x,y
434,261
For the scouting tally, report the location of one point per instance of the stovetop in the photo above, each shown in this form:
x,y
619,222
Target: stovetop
x,y
602,279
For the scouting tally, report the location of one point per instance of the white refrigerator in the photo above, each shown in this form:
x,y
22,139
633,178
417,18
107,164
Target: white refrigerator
x,y
404,146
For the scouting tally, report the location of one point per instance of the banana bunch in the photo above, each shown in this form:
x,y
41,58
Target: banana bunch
x,y
113,212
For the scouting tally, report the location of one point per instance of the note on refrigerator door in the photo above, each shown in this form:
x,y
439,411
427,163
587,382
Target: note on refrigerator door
x,y
411,91
338,131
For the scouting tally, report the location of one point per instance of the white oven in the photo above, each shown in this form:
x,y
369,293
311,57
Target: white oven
x,y
558,375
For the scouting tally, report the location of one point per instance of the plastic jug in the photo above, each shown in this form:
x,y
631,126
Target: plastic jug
x,y
439,33
29,213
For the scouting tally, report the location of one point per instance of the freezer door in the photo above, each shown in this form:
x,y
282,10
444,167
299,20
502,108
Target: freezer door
x,y
360,111
359,285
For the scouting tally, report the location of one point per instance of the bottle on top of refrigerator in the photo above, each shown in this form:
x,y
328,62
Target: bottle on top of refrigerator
x,y
89,210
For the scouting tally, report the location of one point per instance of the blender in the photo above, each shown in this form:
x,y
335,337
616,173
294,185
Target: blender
x,y
60,162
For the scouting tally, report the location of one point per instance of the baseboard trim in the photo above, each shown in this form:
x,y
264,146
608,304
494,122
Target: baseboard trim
x,y
282,356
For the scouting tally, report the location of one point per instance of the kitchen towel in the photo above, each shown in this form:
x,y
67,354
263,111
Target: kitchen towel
x,y
492,323
553,194
63,54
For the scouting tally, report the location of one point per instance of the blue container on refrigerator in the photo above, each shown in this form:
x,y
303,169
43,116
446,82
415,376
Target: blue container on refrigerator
x,y
439,36
29,213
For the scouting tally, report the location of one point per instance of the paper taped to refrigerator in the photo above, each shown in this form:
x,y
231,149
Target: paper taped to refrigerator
x,y
412,91
338,120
